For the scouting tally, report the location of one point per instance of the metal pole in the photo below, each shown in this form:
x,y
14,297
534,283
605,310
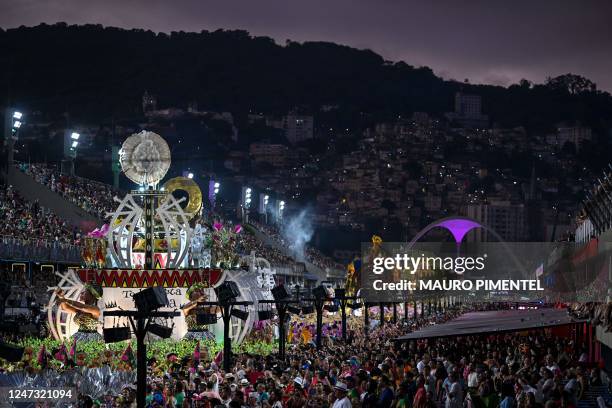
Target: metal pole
x,y
343,306
141,362
227,341
394,312
366,315
405,310
319,307
282,330
382,314
149,239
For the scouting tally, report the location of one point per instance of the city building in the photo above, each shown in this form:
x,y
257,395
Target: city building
x,y
296,128
506,219
575,134
275,154
468,111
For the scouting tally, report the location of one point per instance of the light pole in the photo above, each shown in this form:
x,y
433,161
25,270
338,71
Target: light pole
x,y
282,306
140,327
340,295
226,314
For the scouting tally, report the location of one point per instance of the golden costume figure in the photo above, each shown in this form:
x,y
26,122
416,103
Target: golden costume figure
x,y
306,335
351,280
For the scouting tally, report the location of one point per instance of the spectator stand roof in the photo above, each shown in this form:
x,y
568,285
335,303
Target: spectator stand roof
x,y
492,322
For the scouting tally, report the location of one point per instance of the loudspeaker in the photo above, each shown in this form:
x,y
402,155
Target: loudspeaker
x,y
116,334
319,292
206,318
227,291
265,315
340,292
11,353
331,308
162,331
279,292
308,309
240,314
293,309
355,305
151,299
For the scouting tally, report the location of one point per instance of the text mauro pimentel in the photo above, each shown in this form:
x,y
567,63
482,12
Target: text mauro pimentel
x,y
458,265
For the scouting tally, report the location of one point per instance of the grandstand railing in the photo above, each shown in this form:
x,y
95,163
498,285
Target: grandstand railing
x,y
12,248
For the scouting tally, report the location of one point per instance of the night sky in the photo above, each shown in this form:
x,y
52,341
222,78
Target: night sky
x,y
497,42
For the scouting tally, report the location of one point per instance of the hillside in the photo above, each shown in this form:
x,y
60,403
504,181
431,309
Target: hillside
x,y
94,72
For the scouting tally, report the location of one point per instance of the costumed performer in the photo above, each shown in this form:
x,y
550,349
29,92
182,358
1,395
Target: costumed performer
x,y
86,311
196,294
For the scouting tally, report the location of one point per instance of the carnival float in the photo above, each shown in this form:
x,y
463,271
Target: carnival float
x,y
156,237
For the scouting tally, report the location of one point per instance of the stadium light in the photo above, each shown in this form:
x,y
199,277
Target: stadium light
x,y
279,210
190,175
247,196
12,122
74,144
75,136
245,202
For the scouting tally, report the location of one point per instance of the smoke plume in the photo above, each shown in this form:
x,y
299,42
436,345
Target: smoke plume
x,y
298,231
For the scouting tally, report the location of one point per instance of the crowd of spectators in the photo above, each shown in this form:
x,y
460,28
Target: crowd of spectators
x,y
534,370
319,259
28,221
249,243
93,197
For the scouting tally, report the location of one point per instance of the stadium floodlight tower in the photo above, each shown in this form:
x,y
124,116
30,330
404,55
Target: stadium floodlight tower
x,y
264,199
13,120
280,209
213,190
72,140
245,203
